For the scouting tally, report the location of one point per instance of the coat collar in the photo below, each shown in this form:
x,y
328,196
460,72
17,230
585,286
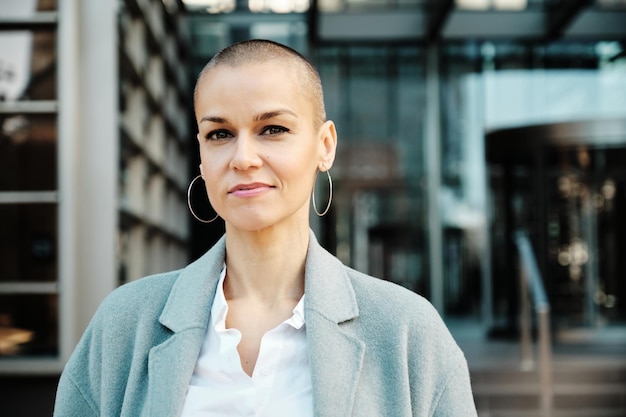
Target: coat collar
x,y
329,291
186,314
336,356
190,300
329,303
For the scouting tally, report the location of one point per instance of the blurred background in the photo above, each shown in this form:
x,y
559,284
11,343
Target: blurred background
x,y
481,164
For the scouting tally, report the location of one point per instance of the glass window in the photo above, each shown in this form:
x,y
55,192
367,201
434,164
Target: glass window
x,y
374,95
26,8
360,5
28,242
28,152
27,65
29,301
612,4
28,325
496,4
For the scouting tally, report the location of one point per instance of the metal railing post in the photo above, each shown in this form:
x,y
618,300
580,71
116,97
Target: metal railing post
x,y
532,284
545,361
526,353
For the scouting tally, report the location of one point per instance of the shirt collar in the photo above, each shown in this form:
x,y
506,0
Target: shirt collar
x,y
219,309
297,320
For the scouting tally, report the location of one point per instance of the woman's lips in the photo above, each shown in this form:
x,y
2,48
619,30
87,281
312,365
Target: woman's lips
x,y
249,190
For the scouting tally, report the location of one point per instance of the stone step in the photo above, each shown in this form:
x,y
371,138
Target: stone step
x,y
563,373
557,413
579,390
559,389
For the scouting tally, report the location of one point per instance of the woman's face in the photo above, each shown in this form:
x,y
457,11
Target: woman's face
x,y
259,148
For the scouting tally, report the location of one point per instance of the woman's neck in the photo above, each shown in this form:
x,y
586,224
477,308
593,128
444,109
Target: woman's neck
x,y
267,265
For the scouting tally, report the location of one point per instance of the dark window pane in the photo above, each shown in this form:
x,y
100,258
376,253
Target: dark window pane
x,y
28,242
28,153
29,325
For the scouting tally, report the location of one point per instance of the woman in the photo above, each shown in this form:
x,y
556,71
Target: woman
x,y
266,323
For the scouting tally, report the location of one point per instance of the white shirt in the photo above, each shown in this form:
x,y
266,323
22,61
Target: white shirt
x,y
280,385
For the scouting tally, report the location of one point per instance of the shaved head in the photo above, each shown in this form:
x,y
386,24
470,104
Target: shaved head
x,y
259,51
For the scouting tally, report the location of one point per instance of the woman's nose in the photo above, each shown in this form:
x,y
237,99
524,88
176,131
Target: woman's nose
x,y
245,153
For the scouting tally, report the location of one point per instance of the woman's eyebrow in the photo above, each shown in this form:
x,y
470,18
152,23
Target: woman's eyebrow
x,y
214,119
272,114
260,117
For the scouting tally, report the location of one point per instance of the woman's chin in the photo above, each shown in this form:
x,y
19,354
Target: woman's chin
x,y
248,223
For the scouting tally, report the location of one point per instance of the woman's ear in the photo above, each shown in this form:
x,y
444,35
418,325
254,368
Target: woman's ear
x,y
328,144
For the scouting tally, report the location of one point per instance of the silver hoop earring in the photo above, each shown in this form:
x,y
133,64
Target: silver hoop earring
x,y
189,203
330,197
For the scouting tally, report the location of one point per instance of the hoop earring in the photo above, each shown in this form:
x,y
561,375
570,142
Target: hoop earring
x,y
330,197
189,203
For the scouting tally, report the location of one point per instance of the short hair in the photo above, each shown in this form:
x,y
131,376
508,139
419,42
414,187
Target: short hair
x,y
258,51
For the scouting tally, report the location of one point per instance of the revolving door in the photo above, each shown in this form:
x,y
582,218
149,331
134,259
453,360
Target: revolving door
x,y
565,185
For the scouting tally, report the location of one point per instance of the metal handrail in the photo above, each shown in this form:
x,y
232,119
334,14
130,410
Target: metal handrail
x,y
531,285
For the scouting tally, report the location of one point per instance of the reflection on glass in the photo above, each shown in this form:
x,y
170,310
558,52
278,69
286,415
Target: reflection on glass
x,y
28,325
28,242
28,153
610,4
255,6
496,4
377,216
25,8
27,65
211,6
278,6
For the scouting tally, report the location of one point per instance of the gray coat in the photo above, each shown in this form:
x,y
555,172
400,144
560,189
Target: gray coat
x,y
376,349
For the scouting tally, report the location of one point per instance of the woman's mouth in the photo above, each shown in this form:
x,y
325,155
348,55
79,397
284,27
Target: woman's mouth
x,y
249,190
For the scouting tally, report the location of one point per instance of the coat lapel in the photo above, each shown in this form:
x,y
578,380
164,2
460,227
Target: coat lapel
x,y
186,314
336,356
170,366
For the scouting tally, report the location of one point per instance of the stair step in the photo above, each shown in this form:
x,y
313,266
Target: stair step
x,y
599,399
569,376
559,389
589,412
593,392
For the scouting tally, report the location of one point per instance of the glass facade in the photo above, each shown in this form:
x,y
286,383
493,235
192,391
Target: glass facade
x,y
374,96
28,245
29,241
28,153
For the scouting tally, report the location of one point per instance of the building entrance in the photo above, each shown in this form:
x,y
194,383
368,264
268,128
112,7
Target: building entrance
x,y
565,185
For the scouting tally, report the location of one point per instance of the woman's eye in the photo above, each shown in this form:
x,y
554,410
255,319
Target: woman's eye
x,y
274,130
218,135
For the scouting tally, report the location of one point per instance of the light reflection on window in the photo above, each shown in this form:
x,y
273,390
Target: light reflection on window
x,y
608,4
255,6
330,5
211,6
29,325
27,65
279,6
495,4
15,62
